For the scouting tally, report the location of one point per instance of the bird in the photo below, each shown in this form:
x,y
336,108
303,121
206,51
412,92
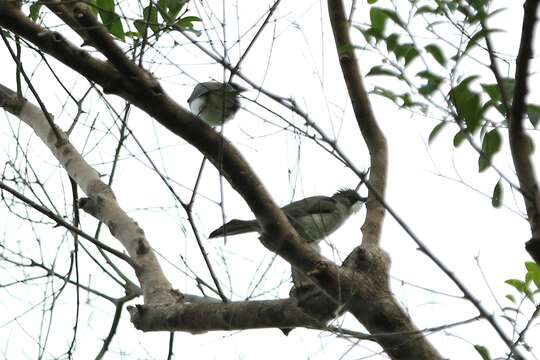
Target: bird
x,y
215,102
314,218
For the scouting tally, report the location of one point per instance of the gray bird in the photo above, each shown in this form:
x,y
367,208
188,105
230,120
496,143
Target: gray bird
x,y
214,102
314,218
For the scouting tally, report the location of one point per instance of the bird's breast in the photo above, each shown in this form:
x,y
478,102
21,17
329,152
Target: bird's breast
x,y
316,227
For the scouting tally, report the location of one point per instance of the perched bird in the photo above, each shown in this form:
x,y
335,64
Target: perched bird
x,y
214,102
314,217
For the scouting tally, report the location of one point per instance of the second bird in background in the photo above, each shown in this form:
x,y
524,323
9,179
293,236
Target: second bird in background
x,y
214,102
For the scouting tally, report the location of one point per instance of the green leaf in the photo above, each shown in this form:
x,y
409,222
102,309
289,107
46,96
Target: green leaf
x,y
379,70
511,298
186,23
494,92
408,52
533,112
437,53
371,1
140,26
467,104
407,101
392,15
378,19
491,143
436,130
426,9
496,198
385,93
533,270
34,10
175,6
150,17
392,42
110,19
116,28
433,82
483,351
483,163
477,37
458,138
519,285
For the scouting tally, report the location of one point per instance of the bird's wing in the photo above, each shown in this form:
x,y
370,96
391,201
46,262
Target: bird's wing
x,y
309,206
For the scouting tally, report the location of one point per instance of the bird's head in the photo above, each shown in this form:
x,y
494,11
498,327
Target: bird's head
x,y
237,88
350,197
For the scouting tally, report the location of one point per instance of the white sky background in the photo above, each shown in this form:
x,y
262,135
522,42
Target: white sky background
x,y
295,57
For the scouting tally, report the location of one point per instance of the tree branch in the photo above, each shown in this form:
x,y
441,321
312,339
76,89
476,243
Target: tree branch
x,y
519,142
395,319
101,202
367,123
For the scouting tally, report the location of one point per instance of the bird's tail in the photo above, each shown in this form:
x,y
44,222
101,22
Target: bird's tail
x,y
234,227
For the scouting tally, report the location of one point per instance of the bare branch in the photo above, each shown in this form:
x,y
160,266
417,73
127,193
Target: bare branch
x,y
519,143
367,123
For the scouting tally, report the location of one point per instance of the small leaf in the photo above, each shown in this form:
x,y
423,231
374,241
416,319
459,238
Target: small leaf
x,y
392,15
483,163
385,93
426,9
371,1
533,270
110,19
511,298
433,82
480,35
491,143
186,23
533,112
150,18
379,70
378,19
483,351
392,42
496,198
458,138
34,10
407,101
436,130
467,104
494,93
437,53
517,284
408,52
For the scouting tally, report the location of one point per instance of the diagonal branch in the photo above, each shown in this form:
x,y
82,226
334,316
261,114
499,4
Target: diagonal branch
x,y
102,202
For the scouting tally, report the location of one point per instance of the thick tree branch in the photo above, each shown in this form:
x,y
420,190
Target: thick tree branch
x,y
101,202
241,315
395,319
519,143
367,123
